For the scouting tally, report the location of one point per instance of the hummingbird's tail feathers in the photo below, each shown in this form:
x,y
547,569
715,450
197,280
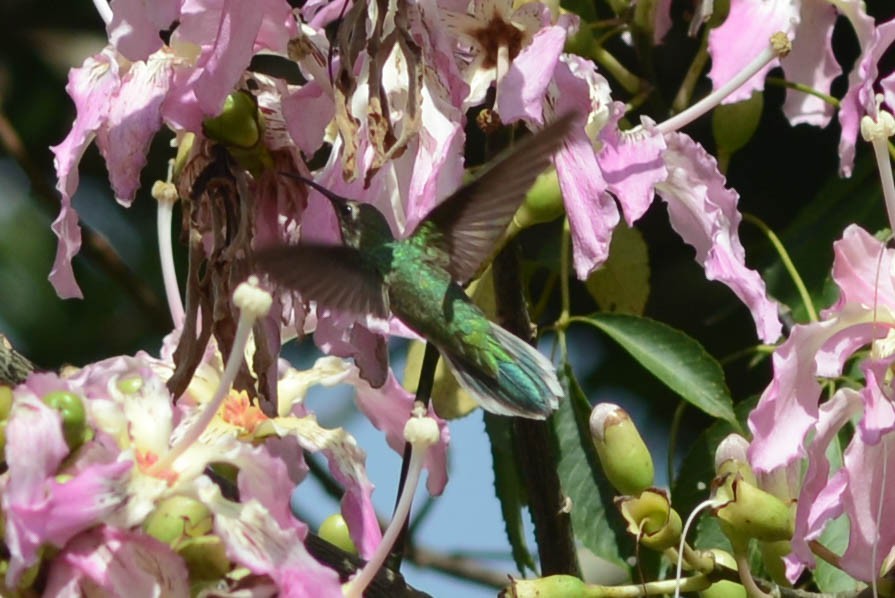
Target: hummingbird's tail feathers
x,y
525,385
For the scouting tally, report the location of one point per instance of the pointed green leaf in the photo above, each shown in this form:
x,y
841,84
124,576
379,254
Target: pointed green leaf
x,y
594,520
508,488
676,359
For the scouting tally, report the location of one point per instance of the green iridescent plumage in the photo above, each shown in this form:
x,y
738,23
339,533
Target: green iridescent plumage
x,y
419,278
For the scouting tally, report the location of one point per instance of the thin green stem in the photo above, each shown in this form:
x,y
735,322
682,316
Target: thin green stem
x,y
628,80
804,89
564,273
676,420
762,350
685,92
787,263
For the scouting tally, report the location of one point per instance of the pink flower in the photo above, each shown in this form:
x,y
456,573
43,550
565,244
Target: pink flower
x,y
791,426
118,563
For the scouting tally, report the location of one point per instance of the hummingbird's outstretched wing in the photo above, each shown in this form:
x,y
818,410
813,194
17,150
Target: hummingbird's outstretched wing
x,y
467,224
333,276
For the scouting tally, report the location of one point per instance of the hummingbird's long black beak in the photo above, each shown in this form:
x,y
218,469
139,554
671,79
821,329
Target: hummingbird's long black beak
x,y
334,198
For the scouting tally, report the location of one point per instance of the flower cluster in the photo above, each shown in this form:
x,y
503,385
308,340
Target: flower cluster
x,y
378,113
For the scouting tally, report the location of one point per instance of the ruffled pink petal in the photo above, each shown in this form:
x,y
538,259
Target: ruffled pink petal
x,y
133,120
865,497
704,213
879,411
388,409
307,112
811,63
520,93
266,479
92,87
832,415
861,269
135,26
591,211
859,98
118,563
744,34
632,164
255,541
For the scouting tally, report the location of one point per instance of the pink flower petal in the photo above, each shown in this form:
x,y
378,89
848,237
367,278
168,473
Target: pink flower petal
x,y
135,26
704,213
632,164
133,120
811,63
520,93
744,34
118,563
92,87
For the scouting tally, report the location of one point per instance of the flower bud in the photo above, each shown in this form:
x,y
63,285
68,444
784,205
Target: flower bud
x,y
178,518
625,459
554,585
724,589
749,512
240,128
335,531
74,418
543,202
651,519
238,124
731,458
5,402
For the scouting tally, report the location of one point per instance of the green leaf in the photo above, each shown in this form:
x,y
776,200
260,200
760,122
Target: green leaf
x,y
676,359
508,488
594,520
621,285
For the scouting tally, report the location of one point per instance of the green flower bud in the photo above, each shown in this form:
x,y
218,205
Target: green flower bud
x,y
130,385
724,589
5,402
177,519
240,128
543,202
567,586
651,519
74,418
238,124
625,459
749,512
730,458
335,531
205,557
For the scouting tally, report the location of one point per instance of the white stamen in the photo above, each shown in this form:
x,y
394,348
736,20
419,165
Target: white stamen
x,y
250,299
877,131
104,10
166,195
778,46
421,432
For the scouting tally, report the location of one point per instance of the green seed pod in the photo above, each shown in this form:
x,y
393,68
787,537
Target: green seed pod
x,y
625,459
567,586
651,519
177,518
130,385
335,531
543,202
74,418
238,124
5,402
750,512
724,589
772,554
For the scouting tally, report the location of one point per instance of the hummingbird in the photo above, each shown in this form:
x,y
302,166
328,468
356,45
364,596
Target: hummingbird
x,y
420,278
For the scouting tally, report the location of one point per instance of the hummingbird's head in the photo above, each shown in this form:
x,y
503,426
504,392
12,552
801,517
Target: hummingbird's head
x,y
361,224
